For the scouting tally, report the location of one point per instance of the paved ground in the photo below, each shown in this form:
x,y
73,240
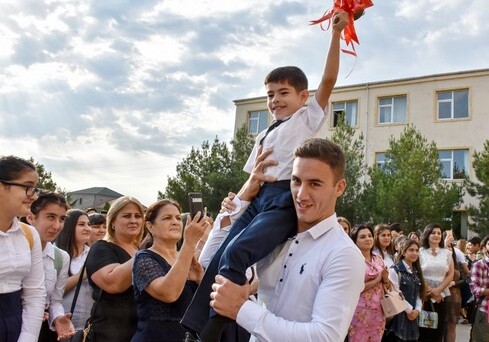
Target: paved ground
x,y
463,332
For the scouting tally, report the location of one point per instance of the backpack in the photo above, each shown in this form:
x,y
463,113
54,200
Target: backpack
x,y
28,234
58,257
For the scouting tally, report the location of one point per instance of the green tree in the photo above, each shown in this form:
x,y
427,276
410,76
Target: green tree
x,y
355,170
213,169
46,181
480,190
408,188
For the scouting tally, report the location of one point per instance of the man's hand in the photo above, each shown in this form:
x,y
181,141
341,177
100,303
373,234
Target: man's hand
x,y
64,327
227,297
252,186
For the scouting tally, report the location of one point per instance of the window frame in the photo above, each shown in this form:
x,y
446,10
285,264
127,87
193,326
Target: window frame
x,y
451,160
257,119
334,123
452,104
392,111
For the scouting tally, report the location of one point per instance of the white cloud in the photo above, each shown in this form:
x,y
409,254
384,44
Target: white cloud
x,y
114,93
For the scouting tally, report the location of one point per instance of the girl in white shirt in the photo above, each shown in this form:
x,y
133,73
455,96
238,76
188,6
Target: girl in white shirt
x,y
74,239
22,291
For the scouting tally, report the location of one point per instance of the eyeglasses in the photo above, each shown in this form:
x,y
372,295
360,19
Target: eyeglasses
x,y
29,189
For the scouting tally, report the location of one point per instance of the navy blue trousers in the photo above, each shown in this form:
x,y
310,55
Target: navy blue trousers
x,y
10,316
269,221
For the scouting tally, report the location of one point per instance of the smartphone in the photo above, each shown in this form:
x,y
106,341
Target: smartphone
x,y
195,204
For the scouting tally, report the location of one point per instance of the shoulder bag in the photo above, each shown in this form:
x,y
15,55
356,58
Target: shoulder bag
x,y
392,302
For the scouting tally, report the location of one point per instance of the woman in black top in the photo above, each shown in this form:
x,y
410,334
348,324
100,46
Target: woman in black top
x,y
109,265
165,279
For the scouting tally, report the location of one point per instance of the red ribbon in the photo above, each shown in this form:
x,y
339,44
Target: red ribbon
x,y
351,7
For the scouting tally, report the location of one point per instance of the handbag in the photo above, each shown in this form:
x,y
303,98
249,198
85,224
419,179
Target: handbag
x,y
428,319
85,334
393,302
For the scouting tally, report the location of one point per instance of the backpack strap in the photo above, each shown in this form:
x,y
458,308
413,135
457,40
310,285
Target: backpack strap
x,y
28,234
58,260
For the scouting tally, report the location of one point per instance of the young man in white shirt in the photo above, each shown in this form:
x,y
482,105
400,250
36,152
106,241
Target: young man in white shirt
x,y
47,215
312,283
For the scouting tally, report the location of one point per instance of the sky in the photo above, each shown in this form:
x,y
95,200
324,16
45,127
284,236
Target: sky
x,y
115,93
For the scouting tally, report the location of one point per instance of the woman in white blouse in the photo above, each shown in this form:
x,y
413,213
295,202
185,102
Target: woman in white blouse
x,y
437,267
22,291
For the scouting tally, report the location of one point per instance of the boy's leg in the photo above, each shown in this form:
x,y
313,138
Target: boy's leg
x,y
267,230
197,313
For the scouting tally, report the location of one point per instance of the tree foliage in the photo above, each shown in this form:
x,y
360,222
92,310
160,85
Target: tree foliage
x,y
355,170
408,188
213,169
480,190
46,181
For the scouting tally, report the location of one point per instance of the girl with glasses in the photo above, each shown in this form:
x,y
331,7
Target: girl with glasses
x,y
22,291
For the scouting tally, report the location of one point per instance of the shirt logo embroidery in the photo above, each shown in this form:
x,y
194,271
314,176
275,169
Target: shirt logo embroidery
x,y
302,268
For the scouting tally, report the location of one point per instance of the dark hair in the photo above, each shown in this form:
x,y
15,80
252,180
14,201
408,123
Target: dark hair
x,y
395,226
425,242
484,241
417,265
96,219
46,198
12,167
475,240
356,229
326,151
378,229
66,238
291,74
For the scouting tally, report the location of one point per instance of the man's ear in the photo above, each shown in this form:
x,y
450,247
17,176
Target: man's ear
x,y
30,218
340,187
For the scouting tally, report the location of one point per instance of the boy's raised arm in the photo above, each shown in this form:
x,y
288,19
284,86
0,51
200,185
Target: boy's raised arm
x,y
330,72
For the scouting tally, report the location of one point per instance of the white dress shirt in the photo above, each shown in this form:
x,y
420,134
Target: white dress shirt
x,y
55,283
302,125
84,301
22,269
310,286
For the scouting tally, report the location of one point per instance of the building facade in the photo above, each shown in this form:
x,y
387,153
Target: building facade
x,y
451,109
94,198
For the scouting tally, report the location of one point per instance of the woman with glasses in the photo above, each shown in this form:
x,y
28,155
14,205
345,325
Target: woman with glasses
x,y
22,291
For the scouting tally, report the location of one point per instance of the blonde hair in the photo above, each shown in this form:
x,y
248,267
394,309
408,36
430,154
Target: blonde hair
x,y
114,210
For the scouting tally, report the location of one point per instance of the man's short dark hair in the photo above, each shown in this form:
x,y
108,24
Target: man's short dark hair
x,y
292,74
395,226
475,240
326,151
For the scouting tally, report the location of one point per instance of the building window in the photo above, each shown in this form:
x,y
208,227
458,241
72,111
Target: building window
x,y
453,104
257,121
348,109
454,164
381,160
392,109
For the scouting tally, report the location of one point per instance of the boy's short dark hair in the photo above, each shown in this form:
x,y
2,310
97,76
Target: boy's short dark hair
x,y
292,74
96,219
326,151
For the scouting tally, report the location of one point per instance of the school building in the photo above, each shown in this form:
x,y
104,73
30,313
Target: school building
x,y
451,109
